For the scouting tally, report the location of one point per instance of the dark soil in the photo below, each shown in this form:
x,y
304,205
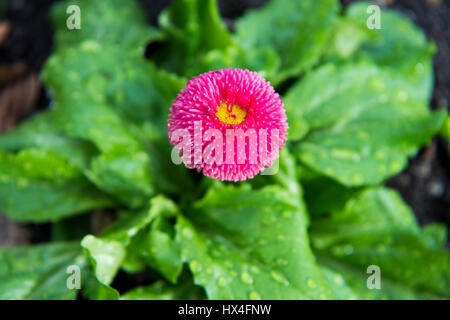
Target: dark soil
x,y
425,185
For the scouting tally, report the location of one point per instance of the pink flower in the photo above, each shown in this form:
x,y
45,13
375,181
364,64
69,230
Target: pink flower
x,y
215,111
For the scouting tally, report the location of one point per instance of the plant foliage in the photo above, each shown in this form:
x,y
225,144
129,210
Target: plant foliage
x,y
358,109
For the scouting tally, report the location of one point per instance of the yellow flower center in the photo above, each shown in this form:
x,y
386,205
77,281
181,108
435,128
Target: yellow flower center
x,y
234,116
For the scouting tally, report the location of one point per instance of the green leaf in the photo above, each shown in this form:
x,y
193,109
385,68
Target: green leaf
x,y
104,74
40,131
297,30
39,186
265,61
382,152
364,122
347,38
108,21
445,129
119,102
284,174
322,194
83,112
71,229
106,257
157,249
244,244
44,132
38,272
377,228
128,226
131,223
104,93
148,237
347,282
107,293
95,290
399,45
192,28
110,116
160,290
336,94
122,166
197,42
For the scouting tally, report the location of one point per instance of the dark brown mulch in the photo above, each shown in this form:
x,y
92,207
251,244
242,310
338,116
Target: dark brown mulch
x,y
25,44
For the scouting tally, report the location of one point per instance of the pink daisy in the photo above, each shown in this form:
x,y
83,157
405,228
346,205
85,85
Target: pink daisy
x,y
230,124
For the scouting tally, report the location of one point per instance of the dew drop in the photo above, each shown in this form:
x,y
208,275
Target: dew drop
x,y
278,277
357,179
282,262
377,84
338,279
254,296
195,266
402,95
384,98
311,284
362,135
246,278
419,68
262,242
187,233
222,282
396,166
380,155
348,249
132,232
22,183
255,269
286,214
